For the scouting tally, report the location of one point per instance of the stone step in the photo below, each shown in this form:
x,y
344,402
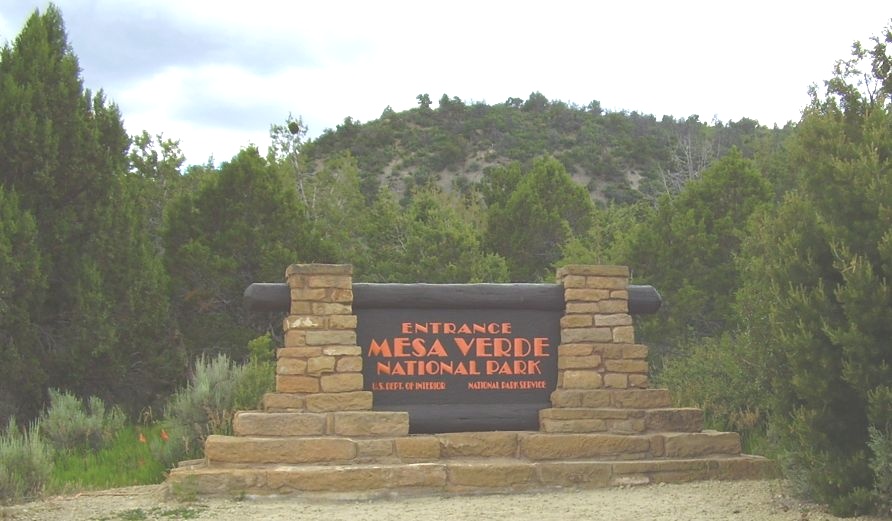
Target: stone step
x,y
290,450
554,446
577,419
565,398
612,398
532,446
252,423
348,423
318,402
459,476
341,449
620,421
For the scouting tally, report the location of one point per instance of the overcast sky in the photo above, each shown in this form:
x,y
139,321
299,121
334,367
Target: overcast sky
x,y
216,74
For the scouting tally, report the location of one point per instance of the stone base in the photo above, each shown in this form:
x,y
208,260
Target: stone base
x,y
456,476
531,446
344,423
613,398
318,402
589,438
458,463
620,421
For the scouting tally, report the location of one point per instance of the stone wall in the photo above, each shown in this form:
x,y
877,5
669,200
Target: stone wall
x,y
598,347
319,370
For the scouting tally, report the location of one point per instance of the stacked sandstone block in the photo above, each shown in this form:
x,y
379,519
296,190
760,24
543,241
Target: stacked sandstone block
x,y
602,373
598,347
319,370
462,463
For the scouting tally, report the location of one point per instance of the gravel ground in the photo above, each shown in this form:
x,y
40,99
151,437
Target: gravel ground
x,y
701,501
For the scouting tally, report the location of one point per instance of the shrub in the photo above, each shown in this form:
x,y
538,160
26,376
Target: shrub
x,y
881,464
714,374
259,375
217,389
204,407
70,424
25,463
879,413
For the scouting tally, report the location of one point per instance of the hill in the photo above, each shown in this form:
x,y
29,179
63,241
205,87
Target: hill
x,y
617,156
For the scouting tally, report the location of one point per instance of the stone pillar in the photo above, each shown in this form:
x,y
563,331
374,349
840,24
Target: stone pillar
x,y
320,367
598,349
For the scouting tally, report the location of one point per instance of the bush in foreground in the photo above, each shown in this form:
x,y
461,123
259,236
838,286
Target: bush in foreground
x,y
74,425
716,375
217,389
25,463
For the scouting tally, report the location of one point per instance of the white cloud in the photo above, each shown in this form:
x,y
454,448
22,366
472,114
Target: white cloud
x,y
216,74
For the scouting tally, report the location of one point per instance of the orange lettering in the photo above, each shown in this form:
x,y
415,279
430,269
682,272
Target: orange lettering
x,y
484,346
463,345
399,346
502,347
437,349
380,349
540,344
522,347
418,348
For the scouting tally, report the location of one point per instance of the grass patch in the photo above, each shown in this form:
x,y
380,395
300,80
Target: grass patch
x,y
124,462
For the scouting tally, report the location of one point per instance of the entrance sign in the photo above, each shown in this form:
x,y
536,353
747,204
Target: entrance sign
x,y
362,366
458,357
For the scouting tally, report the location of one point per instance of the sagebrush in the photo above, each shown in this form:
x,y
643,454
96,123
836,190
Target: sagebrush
x,y
26,462
72,424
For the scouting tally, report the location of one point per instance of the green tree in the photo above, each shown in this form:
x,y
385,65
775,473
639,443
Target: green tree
x,y
330,196
817,297
335,207
245,224
604,242
385,231
155,165
686,247
63,152
433,240
22,289
531,215
443,246
424,102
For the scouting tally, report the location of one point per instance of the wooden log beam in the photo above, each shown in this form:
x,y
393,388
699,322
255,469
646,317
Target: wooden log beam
x,y
276,297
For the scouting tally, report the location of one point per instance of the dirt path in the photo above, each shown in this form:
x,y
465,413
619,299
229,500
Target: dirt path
x,y
702,501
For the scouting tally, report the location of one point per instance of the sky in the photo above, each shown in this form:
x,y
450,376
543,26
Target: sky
x,y
215,74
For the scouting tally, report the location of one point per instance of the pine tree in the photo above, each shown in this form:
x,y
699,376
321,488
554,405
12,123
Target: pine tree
x,y
243,225
687,245
532,215
22,288
433,240
63,152
817,298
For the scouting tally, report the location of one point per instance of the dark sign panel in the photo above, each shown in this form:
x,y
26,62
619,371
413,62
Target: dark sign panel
x,y
458,357
463,359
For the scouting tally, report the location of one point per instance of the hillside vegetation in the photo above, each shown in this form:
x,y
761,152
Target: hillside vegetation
x,y
620,157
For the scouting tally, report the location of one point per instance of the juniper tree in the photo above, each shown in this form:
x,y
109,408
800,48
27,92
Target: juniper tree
x,y
63,151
